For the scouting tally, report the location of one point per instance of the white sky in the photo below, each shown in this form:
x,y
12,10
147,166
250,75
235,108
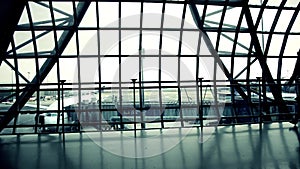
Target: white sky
x,y
109,16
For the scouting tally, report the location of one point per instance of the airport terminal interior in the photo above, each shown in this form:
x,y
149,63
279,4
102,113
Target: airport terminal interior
x,y
149,84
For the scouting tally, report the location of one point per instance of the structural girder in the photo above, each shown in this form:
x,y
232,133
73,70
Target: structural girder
x,y
46,67
13,9
199,24
275,88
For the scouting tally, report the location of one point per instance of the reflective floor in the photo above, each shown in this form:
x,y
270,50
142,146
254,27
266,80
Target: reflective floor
x,y
243,146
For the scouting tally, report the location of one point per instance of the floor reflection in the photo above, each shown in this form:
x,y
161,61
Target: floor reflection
x,y
241,146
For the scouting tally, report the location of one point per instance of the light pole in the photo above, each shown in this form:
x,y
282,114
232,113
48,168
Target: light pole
x,y
259,101
62,108
201,103
134,111
142,99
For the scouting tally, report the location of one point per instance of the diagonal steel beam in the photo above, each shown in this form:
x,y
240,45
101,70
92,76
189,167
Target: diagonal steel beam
x,y
296,72
13,9
199,24
275,88
46,67
284,42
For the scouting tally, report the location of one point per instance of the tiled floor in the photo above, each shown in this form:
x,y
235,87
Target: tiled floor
x,y
243,146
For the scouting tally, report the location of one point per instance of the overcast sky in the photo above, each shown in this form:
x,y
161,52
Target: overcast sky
x,y
130,40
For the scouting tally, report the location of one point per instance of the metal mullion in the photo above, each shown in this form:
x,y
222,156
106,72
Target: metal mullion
x,y
248,80
266,50
288,30
251,43
57,62
42,22
9,96
30,40
221,24
55,9
20,74
120,66
99,65
272,7
273,27
218,3
229,28
218,11
45,69
199,106
179,61
275,89
141,105
199,22
203,14
16,74
260,19
78,59
224,24
246,68
36,56
215,61
159,64
235,41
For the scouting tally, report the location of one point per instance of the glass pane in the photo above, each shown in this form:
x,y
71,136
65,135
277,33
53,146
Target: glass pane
x,y
187,68
232,16
27,68
169,69
292,46
130,13
130,42
275,45
213,14
150,43
40,13
170,42
90,17
129,69
68,69
7,74
150,67
45,42
152,15
71,48
173,15
190,40
109,69
268,19
284,20
88,69
88,42
23,42
288,65
109,42
108,14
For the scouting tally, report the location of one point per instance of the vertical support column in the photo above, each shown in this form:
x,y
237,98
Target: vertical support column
x,y
134,110
200,80
275,88
297,83
259,102
61,82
